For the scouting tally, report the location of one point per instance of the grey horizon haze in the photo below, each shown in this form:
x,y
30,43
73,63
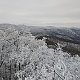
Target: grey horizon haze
x,y
40,12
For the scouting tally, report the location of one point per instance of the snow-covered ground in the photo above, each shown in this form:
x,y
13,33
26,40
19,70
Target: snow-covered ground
x,y
41,62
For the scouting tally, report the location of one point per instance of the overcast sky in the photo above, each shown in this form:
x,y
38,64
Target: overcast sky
x,y
40,12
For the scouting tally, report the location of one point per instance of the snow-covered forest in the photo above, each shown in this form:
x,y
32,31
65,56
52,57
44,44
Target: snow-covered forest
x,y
23,57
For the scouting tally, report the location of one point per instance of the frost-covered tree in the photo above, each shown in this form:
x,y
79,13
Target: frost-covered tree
x,y
22,57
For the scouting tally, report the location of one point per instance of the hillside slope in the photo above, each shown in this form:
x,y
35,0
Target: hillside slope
x,y
23,57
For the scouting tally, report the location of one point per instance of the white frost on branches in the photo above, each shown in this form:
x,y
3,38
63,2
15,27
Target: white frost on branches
x,y
41,62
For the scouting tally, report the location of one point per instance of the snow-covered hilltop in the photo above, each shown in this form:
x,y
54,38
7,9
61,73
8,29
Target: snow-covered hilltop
x,y
22,57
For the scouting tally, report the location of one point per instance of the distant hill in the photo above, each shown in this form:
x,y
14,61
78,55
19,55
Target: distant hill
x,y
67,34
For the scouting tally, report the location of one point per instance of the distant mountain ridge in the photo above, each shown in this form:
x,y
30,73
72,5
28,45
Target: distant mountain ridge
x,y
71,34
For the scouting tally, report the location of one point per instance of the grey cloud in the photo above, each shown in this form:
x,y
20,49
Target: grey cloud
x,y
40,12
